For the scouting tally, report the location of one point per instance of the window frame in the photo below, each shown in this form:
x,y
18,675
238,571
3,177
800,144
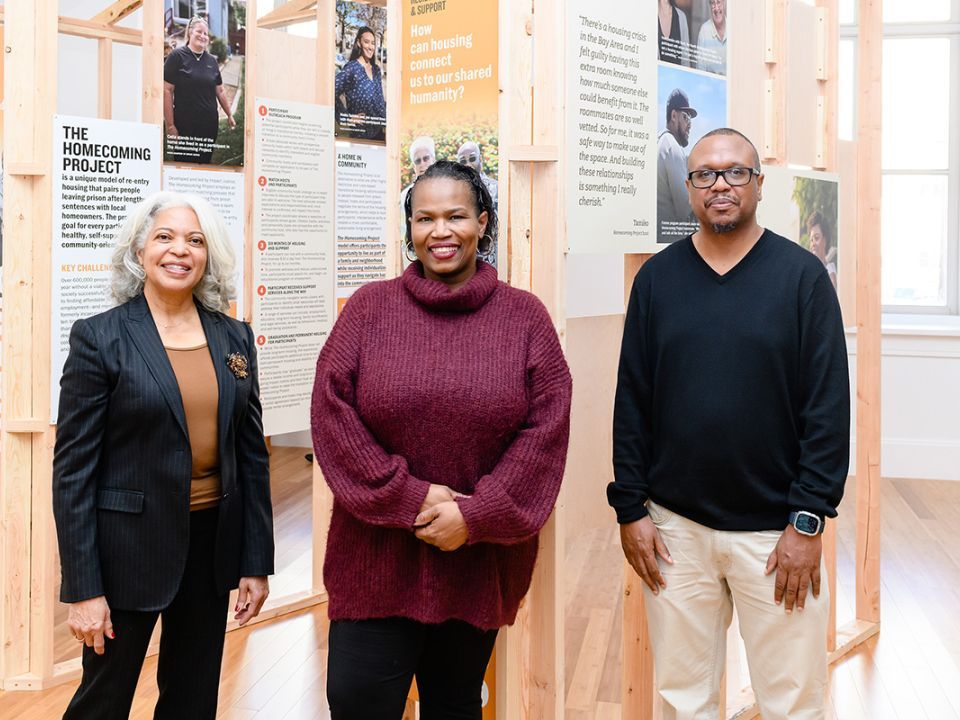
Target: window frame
x,y
919,30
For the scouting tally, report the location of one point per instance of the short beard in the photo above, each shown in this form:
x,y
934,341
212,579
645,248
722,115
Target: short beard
x,y
723,228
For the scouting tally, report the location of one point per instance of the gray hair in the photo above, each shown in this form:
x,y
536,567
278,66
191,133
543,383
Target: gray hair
x,y
425,142
216,287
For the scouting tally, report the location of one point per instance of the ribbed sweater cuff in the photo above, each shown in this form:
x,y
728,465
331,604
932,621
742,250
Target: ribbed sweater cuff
x,y
412,500
493,517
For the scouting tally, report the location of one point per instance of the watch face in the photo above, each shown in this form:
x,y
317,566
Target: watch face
x,y
808,524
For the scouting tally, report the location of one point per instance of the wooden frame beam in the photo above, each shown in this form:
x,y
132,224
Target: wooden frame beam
x,y
99,31
117,11
293,11
92,29
26,553
869,188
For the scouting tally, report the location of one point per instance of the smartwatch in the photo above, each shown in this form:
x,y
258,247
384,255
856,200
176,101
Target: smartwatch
x,y
806,523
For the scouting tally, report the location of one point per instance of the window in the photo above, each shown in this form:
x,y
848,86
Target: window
x,y
920,207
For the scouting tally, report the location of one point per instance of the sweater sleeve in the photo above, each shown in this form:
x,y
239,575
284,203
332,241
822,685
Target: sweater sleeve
x,y
513,502
824,404
632,437
372,485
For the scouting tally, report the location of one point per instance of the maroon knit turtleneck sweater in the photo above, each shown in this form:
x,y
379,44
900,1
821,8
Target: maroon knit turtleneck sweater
x,y
416,385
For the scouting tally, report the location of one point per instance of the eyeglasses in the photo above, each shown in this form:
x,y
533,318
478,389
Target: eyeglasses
x,y
686,116
465,159
420,160
735,177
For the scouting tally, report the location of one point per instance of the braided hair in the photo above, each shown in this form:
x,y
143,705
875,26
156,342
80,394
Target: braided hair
x,y
481,198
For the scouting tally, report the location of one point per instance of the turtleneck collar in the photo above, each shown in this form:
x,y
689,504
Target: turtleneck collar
x,y
436,295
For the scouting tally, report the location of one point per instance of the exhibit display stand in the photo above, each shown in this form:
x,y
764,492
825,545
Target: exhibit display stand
x,y
563,102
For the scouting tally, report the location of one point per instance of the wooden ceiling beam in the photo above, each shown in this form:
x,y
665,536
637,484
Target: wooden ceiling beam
x,y
292,12
117,11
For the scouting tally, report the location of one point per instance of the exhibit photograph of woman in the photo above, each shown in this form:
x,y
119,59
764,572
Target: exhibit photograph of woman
x,y
192,90
161,487
358,89
440,419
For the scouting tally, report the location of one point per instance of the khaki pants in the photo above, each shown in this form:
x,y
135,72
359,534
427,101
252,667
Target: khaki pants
x,y
712,570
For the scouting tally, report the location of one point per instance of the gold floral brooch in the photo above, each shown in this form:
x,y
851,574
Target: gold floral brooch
x,y
237,364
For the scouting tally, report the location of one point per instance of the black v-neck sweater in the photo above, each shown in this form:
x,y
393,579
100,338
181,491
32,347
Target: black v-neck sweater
x,y
733,401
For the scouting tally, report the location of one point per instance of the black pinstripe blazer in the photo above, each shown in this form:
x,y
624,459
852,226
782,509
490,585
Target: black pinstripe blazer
x,y
122,462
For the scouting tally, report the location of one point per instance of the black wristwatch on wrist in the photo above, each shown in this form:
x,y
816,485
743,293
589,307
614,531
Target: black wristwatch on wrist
x,y
806,523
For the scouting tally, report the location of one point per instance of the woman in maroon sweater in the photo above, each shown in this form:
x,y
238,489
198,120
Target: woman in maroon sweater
x,y
440,416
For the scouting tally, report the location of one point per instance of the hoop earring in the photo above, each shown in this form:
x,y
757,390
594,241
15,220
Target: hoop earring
x,y
491,250
409,253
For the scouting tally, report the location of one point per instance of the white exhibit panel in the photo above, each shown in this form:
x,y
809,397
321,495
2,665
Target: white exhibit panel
x,y
361,217
611,128
594,285
101,169
293,275
223,190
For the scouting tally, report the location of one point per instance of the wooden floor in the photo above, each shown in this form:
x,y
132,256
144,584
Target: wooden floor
x,y
910,672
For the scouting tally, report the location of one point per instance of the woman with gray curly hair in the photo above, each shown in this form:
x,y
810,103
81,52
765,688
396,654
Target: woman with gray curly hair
x,y
160,474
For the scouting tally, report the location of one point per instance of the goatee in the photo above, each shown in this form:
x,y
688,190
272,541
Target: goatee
x,y
721,228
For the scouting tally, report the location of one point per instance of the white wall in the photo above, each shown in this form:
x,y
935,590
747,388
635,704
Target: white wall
x,y
920,398
77,67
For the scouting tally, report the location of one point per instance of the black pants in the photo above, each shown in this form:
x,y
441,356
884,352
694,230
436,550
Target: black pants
x,y
191,646
372,662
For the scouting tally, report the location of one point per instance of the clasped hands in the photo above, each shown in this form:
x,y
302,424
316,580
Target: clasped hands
x,y
796,560
440,522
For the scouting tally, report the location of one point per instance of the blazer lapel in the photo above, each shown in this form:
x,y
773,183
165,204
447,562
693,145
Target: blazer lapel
x,y
219,343
143,332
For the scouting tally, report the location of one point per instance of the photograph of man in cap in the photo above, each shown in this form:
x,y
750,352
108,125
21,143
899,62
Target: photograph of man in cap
x,y
673,205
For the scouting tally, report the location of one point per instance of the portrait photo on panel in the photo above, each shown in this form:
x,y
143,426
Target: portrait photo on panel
x,y
203,70
693,33
360,71
689,105
803,205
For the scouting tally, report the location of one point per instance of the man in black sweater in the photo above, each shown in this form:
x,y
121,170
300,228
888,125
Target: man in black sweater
x,y
731,440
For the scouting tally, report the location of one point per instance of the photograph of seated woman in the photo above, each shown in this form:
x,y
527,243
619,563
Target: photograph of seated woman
x,y
358,89
440,419
192,89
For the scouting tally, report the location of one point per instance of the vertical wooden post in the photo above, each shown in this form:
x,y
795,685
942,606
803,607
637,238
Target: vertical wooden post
x,y
30,76
249,152
869,184
775,101
827,158
394,45
516,129
152,59
548,252
105,78
637,685
322,496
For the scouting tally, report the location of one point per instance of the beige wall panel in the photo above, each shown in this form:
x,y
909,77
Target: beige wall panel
x,y
746,94
593,348
285,65
847,167
802,86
